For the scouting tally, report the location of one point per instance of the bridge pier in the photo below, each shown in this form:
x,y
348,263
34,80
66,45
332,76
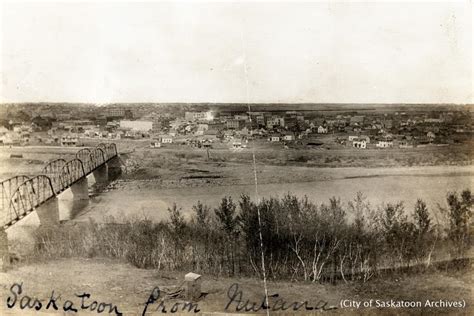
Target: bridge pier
x,y
4,254
80,198
101,175
48,212
115,168
80,189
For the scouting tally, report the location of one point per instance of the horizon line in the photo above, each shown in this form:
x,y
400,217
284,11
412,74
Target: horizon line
x,y
234,103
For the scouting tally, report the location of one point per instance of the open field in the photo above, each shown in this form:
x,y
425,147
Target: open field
x,y
172,158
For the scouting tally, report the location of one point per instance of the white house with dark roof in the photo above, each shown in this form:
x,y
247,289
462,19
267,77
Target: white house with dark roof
x,y
359,143
322,130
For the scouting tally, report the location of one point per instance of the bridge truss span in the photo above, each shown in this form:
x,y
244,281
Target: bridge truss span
x,y
29,195
21,195
72,171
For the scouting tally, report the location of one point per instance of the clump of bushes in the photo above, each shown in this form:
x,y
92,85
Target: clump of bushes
x,y
300,240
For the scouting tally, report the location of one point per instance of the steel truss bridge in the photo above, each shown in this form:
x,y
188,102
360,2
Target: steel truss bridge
x,y
21,195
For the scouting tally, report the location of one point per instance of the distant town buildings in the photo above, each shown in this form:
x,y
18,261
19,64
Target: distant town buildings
x,y
166,126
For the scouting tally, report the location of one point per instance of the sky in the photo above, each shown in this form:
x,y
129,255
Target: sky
x,y
285,52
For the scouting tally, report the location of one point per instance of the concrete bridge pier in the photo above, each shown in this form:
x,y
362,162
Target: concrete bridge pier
x,y
48,212
80,197
101,175
115,168
4,254
80,189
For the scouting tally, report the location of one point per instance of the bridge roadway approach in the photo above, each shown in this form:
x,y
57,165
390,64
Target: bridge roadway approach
x,y
22,195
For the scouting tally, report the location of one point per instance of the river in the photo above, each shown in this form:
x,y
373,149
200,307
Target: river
x,y
135,199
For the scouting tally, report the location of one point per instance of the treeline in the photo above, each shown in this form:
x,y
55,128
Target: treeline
x,y
300,239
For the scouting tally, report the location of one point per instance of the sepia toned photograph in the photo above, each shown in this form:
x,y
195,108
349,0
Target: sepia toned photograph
x,y
236,157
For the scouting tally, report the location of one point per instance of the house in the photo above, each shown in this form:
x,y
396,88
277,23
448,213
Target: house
x,y
166,139
69,140
359,143
155,144
22,128
289,137
322,130
384,144
25,137
11,138
275,121
234,124
260,119
237,144
207,143
274,138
